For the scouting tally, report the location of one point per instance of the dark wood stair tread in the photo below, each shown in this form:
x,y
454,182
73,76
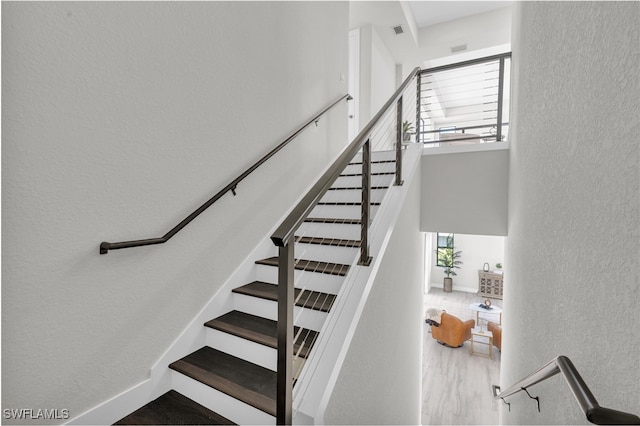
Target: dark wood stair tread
x,y
240,379
372,174
354,188
311,266
333,220
304,298
344,203
262,330
338,242
373,162
173,408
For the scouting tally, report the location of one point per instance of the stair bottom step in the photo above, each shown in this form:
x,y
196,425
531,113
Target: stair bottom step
x,y
173,408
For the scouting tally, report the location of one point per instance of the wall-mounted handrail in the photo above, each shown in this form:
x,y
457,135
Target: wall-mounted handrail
x,y
283,237
593,411
106,246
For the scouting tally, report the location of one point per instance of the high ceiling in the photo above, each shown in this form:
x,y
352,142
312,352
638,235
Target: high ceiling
x,y
415,18
428,13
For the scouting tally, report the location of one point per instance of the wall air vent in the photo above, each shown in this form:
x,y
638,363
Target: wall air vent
x,y
398,29
458,48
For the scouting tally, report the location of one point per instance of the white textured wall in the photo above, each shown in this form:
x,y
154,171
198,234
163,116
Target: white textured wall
x,y
377,74
380,381
383,74
465,192
119,119
573,250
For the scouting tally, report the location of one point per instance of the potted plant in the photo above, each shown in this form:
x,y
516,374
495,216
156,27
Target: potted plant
x,y
499,268
449,260
407,131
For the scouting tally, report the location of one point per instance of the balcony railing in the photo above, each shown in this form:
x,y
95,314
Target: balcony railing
x,y
466,102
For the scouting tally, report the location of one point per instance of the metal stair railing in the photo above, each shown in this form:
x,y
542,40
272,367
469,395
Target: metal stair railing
x,y
284,236
470,95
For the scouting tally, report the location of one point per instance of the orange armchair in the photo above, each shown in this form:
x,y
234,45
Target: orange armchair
x,y
452,331
497,334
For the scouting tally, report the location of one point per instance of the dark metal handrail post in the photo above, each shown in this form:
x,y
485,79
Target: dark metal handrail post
x,y
500,96
365,259
284,385
418,77
399,131
284,238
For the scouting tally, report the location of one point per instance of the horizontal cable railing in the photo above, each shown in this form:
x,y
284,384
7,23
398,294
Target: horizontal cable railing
x,y
285,231
231,187
471,95
593,411
383,132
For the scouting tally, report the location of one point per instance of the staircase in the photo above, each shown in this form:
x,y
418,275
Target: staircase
x,y
234,374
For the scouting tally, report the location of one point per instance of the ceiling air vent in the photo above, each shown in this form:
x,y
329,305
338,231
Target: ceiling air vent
x,y
458,48
398,29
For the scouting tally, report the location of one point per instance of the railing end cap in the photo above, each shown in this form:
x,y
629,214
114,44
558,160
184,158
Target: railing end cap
x,y
104,247
278,241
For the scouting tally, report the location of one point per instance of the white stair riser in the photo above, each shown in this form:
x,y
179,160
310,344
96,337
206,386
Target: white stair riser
x,y
377,155
351,181
305,318
239,347
341,212
376,167
326,253
330,230
223,404
351,196
315,281
255,353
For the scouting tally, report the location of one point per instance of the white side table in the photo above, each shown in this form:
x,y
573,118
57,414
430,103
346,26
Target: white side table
x,y
495,310
477,337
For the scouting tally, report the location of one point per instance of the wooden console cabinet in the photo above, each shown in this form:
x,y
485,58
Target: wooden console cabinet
x,y
490,284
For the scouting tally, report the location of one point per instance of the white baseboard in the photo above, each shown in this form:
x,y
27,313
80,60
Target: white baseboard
x,y
120,405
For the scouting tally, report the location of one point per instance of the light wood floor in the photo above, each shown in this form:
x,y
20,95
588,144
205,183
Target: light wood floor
x,y
456,386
